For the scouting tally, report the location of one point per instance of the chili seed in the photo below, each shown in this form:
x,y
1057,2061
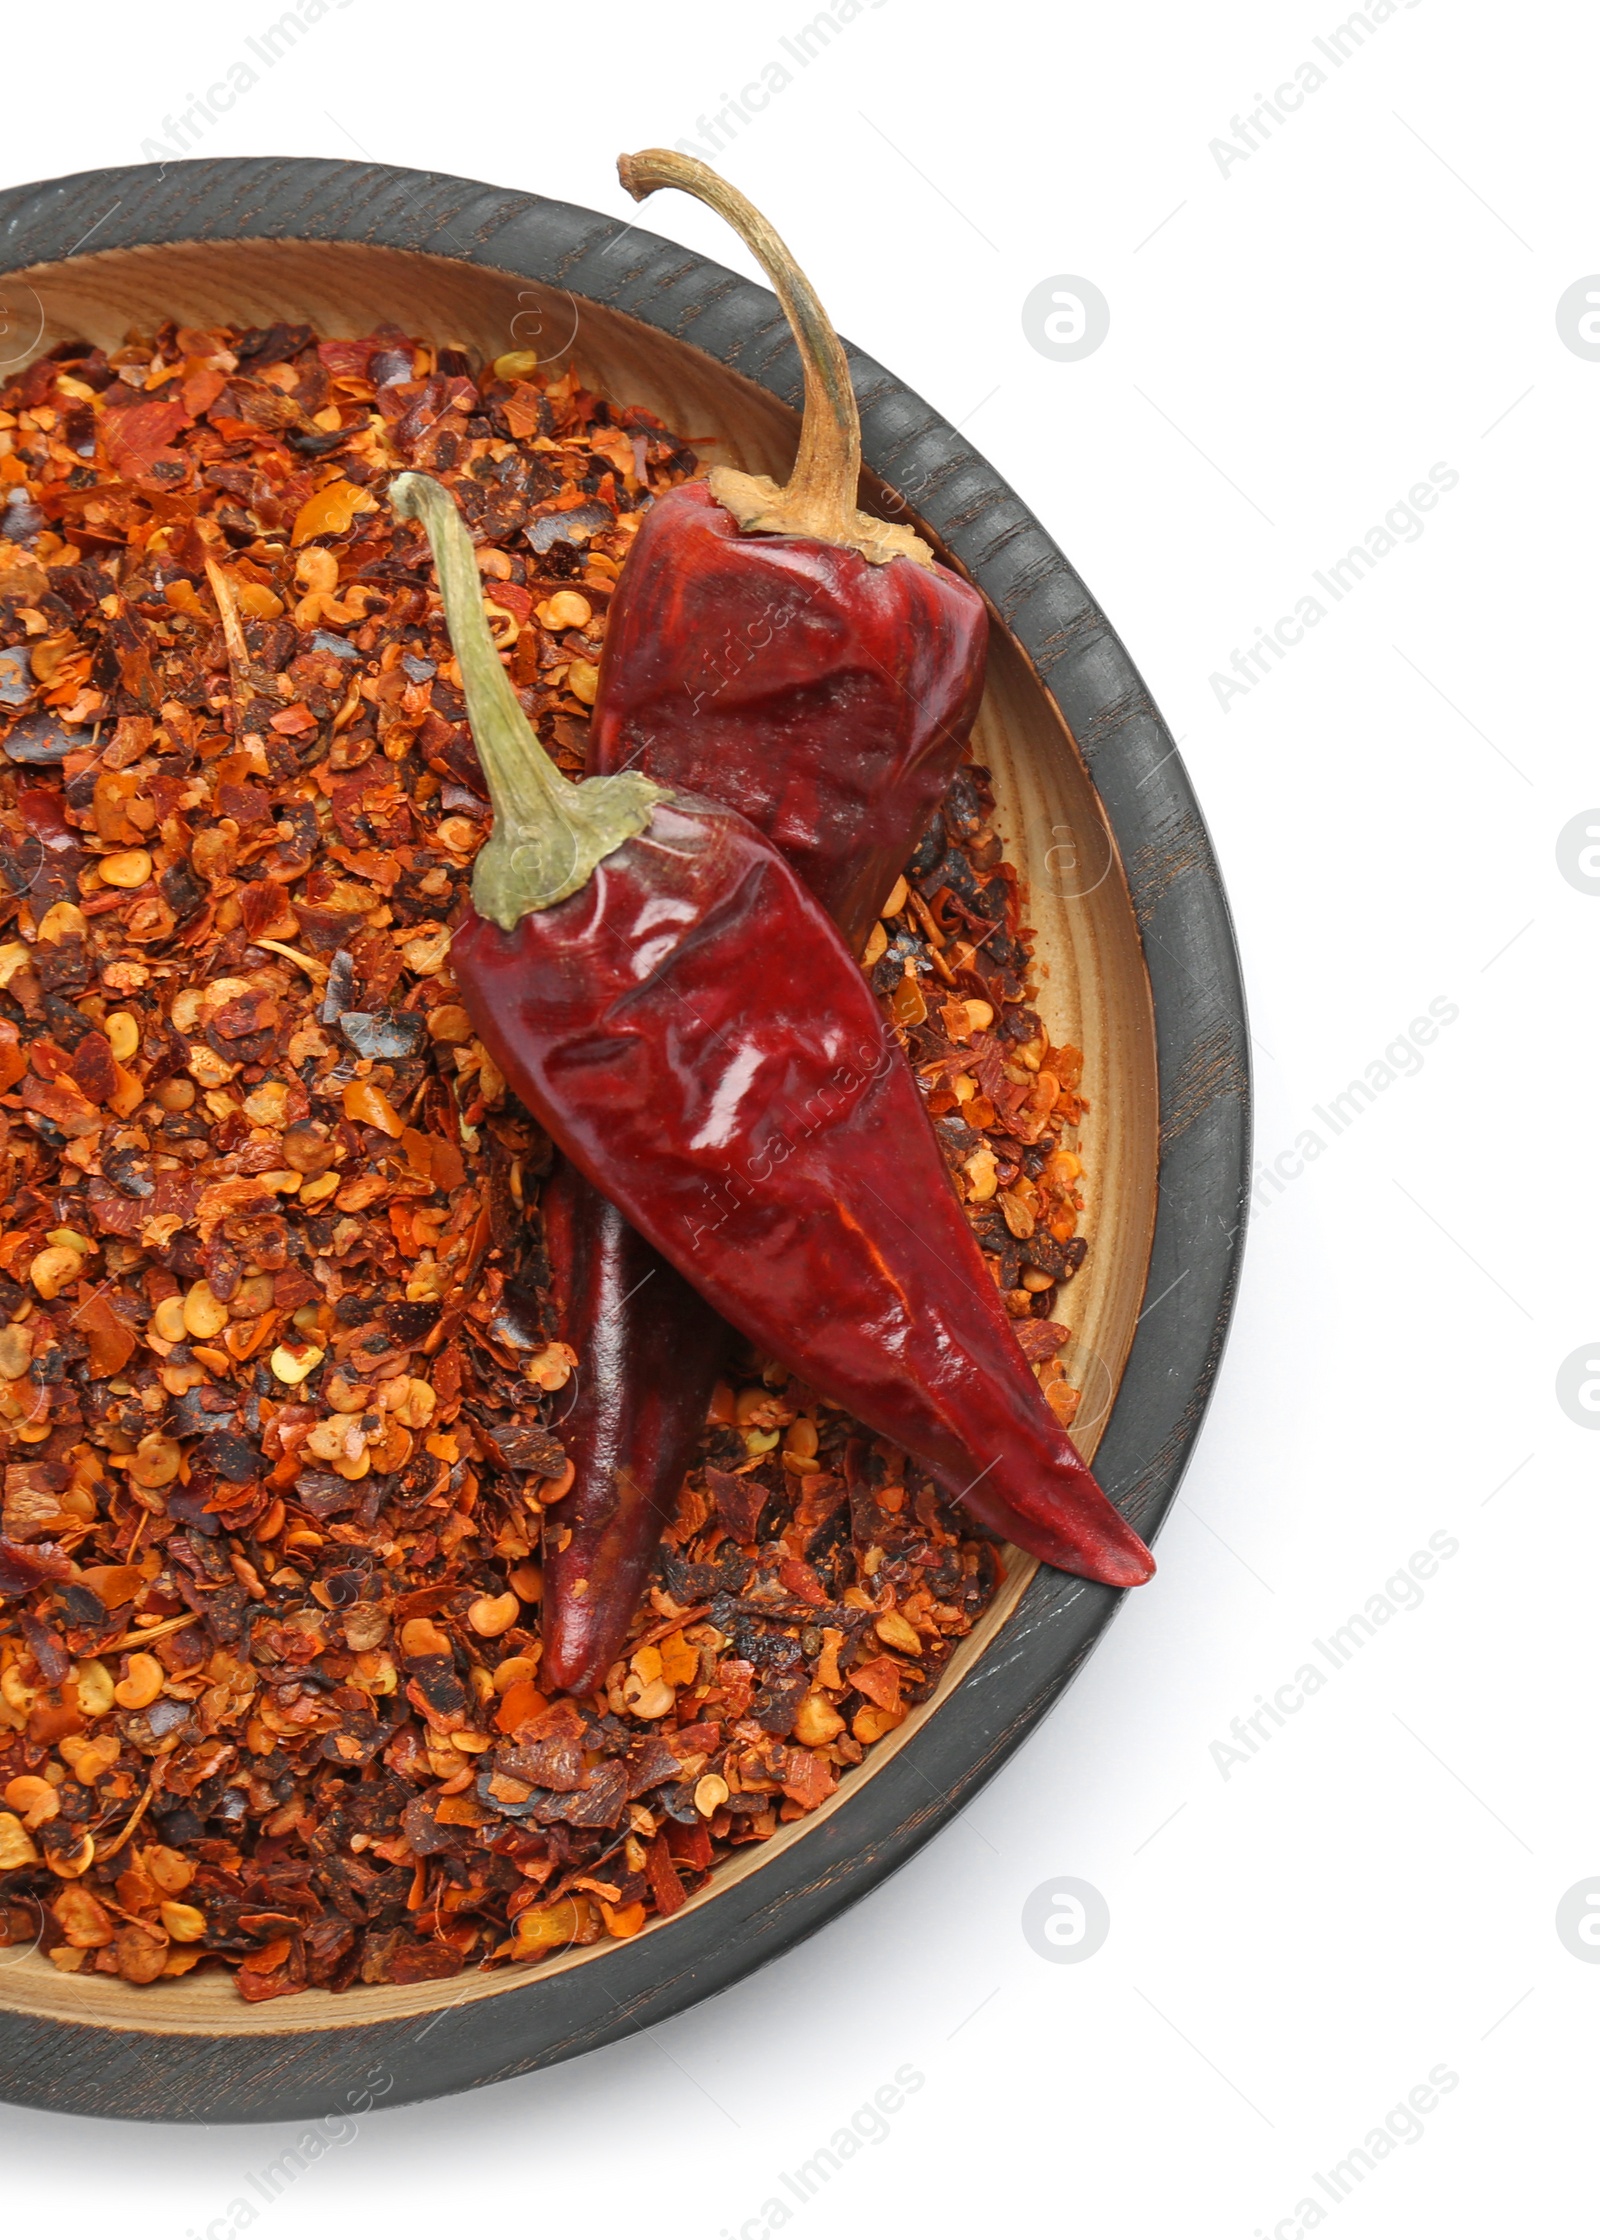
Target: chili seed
x,y
168,1869
131,868
816,1723
34,1798
141,1684
95,1692
204,1314
494,1614
71,1853
293,1364
53,1269
17,1847
565,610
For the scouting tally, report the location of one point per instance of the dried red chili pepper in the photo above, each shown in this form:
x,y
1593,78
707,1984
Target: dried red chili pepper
x,y
664,995
821,676
649,1350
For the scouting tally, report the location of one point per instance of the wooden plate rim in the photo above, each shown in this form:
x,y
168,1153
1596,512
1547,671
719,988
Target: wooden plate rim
x,y
277,2071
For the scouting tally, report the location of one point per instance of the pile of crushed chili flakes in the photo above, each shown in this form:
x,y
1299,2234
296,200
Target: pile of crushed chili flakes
x,y
279,1407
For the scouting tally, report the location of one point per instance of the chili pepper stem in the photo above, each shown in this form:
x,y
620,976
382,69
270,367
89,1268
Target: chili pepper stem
x,y
819,498
234,639
548,833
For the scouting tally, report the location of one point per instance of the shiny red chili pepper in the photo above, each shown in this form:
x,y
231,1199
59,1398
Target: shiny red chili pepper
x,y
821,675
665,996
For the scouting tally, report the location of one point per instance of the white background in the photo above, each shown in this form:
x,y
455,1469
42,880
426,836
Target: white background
x,y
1293,344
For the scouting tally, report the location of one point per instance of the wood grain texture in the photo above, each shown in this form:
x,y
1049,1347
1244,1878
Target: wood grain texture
x,y
1133,929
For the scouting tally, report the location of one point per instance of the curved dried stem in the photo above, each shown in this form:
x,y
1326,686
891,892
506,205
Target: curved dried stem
x,y
819,498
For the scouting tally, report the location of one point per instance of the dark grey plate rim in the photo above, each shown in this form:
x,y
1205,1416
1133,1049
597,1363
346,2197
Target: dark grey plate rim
x,y
1203,1061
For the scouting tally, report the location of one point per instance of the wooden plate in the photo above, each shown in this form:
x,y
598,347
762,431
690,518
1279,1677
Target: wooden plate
x,y
1142,974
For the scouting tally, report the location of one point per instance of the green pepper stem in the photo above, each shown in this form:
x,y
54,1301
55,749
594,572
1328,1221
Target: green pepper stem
x,y
548,833
819,498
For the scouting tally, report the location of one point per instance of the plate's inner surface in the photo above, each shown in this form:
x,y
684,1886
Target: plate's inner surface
x,y
1093,991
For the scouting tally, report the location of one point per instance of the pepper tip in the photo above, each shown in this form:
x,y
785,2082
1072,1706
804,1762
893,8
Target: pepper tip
x,y
1132,1565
